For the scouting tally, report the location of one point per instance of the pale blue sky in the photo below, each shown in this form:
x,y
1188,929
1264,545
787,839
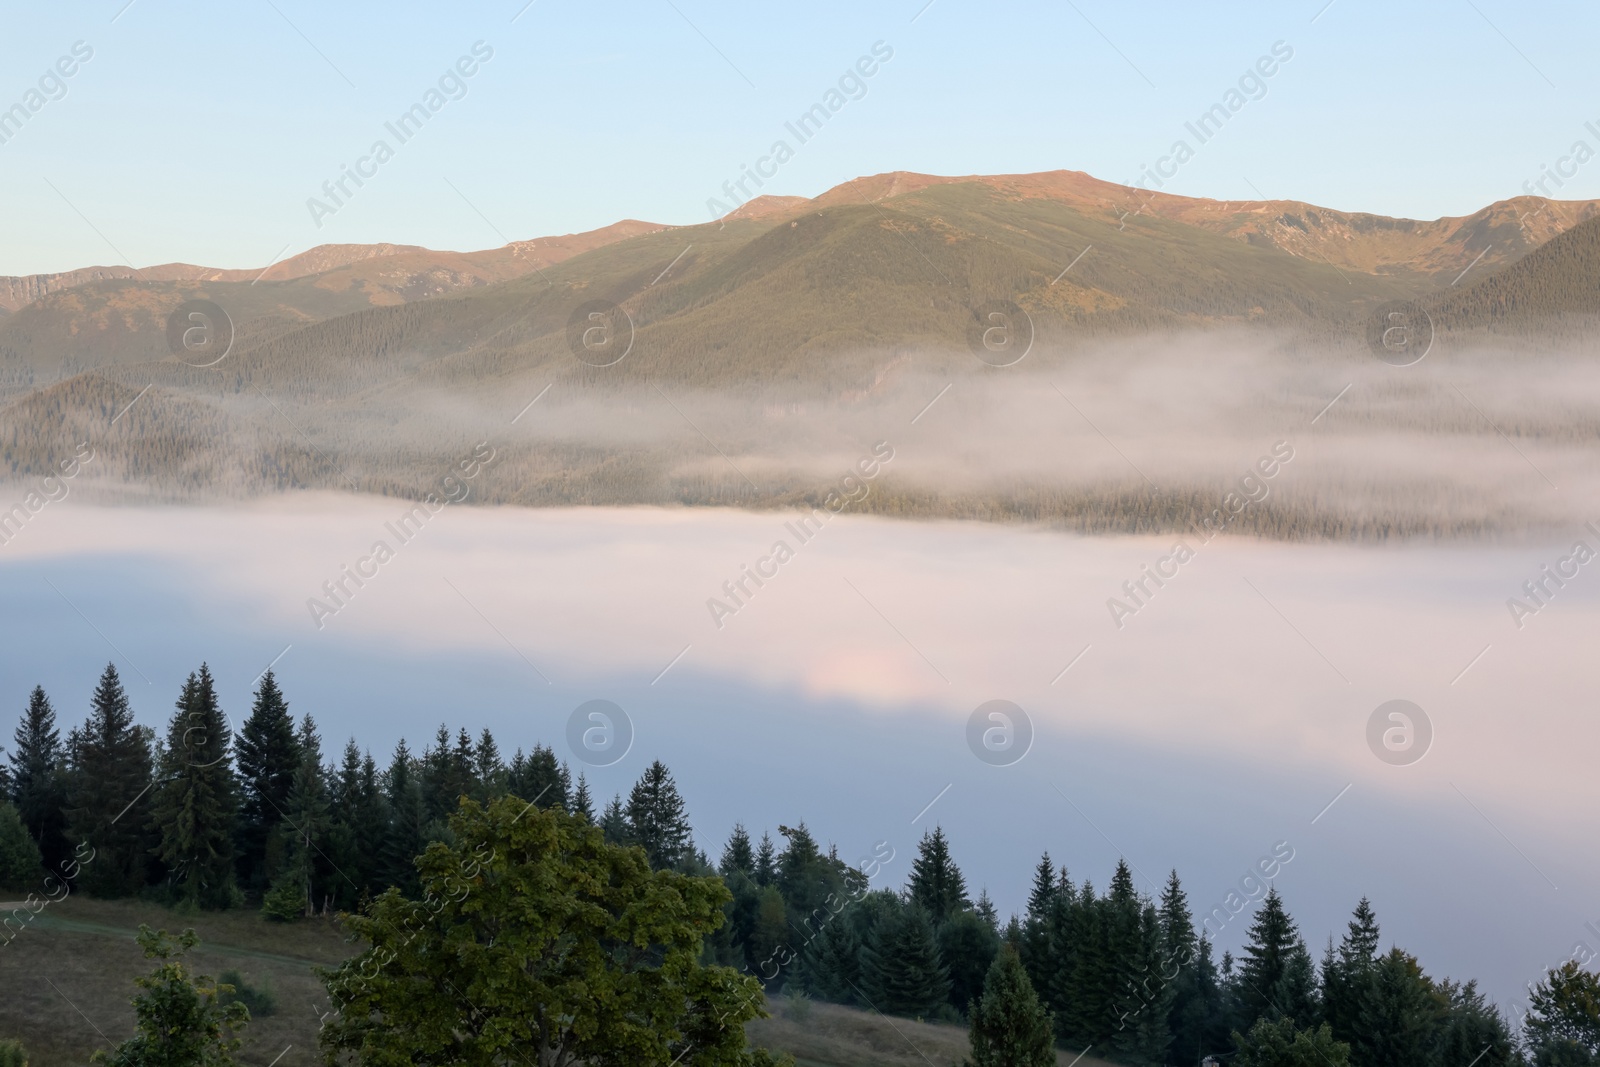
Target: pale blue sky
x,y
197,131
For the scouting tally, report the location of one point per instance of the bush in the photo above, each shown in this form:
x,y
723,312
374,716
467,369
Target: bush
x,y
260,1001
12,1054
284,903
20,865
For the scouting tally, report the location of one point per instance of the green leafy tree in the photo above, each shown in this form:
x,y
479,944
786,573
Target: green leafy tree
x,y
536,939
21,866
1562,1027
195,806
38,778
1009,1027
109,792
265,755
936,882
1274,1042
180,1020
657,819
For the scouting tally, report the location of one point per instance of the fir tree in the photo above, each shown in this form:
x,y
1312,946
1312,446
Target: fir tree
x,y
403,843
195,805
544,781
582,803
1010,1028
1401,1014
488,770
266,756
1273,951
38,779
833,963
766,861
307,822
901,970
737,855
108,792
936,881
1345,976
1180,952
657,821
967,945
614,823
1475,1033
986,910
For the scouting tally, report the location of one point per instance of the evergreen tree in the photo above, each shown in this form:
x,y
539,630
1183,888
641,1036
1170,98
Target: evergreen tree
x,y
582,802
38,779
1010,1028
936,881
766,861
266,756
901,971
1186,1017
545,781
347,849
1562,1027
967,945
986,910
1088,989
1345,976
737,855
1035,948
403,842
833,963
1401,1014
307,821
1475,1033
488,770
614,823
195,803
1272,960
657,821
108,793
1276,1043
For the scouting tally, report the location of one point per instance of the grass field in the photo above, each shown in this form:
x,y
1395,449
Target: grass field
x,y
66,980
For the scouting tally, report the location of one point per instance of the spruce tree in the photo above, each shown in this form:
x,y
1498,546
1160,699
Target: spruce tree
x,y
108,793
901,970
967,945
307,822
766,861
38,779
833,963
1401,1014
544,781
403,842
1345,976
657,820
20,863
1180,958
1274,956
347,848
614,823
936,881
1475,1034
195,804
1010,1028
266,757
737,855
488,770
986,910
582,802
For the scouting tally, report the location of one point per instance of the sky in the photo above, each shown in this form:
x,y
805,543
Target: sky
x,y
199,132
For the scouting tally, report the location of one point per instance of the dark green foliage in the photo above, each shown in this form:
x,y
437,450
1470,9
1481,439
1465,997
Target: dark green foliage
x,y
488,770
936,881
967,945
1009,1027
195,805
21,867
307,823
403,842
833,963
284,902
737,855
1275,975
614,823
12,1054
1562,1027
657,819
38,778
1474,1033
1276,1043
260,1001
901,971
582,802
1400,1015
109,792
766,861
541,779
180,1021
266,756
1345,976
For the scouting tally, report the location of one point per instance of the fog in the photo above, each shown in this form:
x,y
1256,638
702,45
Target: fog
x,y
1222,716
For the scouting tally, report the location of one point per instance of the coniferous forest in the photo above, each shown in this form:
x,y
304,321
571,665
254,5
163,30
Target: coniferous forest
x,y
200,817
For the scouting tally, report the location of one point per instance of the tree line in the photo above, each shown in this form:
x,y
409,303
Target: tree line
x,y
201,817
